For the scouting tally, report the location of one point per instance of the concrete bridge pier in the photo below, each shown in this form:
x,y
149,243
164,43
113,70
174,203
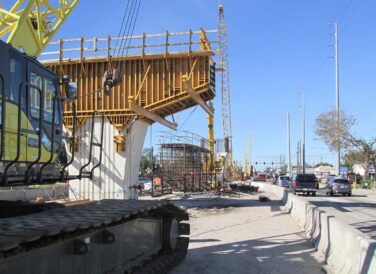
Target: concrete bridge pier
x,y
118,173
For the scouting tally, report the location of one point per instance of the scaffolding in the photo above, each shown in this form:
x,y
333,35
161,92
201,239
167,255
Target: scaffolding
x,y
184,161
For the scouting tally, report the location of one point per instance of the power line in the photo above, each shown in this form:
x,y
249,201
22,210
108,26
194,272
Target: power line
x,y
351,14
131,34
127,27
186,119
121,27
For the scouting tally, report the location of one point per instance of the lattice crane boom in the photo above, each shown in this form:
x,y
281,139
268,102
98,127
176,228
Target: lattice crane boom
x,y
31,24
225,83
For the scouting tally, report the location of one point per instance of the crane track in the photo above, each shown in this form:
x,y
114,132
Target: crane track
x,y
24,234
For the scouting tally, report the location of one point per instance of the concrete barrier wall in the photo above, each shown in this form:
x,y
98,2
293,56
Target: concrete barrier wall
x,y
56,192
344,248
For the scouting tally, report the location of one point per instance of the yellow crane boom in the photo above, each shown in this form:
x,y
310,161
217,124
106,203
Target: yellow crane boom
x,y
29,25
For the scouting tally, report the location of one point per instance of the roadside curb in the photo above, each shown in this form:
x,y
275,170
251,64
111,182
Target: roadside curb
x,y
344,248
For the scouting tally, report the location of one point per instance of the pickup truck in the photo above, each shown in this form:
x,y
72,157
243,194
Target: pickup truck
x,y
304,183
262,177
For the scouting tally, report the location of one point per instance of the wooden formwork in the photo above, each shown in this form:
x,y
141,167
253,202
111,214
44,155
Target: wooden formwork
x,y
154,80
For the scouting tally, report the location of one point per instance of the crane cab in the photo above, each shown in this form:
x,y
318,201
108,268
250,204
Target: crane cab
x,y
31,126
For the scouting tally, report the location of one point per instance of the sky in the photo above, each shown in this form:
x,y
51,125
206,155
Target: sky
x,y
276,49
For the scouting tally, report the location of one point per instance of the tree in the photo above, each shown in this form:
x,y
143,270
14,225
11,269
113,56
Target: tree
x,y
323,164
146,161
353,157
338,133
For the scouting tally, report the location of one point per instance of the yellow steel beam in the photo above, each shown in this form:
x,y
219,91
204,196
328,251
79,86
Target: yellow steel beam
x,y
149,115
211,136
196,97
30,26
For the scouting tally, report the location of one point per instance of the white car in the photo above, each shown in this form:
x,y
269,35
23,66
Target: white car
x,y
284,181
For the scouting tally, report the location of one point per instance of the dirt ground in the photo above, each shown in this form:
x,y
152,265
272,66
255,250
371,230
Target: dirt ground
x,y
244,235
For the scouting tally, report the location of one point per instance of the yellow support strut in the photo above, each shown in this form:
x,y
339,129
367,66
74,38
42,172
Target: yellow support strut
x,y
211,136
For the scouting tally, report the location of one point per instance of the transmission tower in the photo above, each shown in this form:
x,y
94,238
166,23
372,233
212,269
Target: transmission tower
x,y
225,83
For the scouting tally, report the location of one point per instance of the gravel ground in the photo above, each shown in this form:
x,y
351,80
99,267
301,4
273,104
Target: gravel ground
x,y
244,235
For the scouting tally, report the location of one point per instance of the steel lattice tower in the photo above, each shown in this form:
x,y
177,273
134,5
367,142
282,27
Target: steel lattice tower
x,y
225,83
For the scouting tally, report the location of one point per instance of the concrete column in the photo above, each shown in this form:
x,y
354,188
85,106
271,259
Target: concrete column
x,y
118,171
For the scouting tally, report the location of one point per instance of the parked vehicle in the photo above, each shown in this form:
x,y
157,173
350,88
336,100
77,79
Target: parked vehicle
x,y
339,185
303,183
144,184
326,179
262,177
284,181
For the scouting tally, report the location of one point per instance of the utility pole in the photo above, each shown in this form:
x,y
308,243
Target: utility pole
x,y
298,159
303,133
288,143
337,99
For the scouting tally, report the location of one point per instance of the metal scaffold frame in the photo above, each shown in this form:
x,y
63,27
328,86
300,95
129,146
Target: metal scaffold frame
x,y
185,161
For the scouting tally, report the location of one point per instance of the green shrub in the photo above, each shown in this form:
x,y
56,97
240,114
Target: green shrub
x,y
367,184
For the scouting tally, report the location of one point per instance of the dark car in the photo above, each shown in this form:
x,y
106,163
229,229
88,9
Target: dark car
x,y
339,186
304,183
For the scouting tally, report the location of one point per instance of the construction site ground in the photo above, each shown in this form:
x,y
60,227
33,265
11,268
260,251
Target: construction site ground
x,y
240,234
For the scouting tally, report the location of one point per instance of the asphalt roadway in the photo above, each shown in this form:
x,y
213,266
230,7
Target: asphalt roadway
x,y
358,210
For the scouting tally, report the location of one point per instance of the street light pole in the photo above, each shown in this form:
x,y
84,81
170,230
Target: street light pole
x,y
337,99
288,144
303,133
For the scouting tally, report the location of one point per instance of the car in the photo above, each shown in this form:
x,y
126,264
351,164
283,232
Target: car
x,y
339,185
303,183
284,181
262,177
326,179
144,184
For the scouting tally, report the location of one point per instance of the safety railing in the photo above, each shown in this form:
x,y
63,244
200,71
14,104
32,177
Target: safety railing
x,y
163,43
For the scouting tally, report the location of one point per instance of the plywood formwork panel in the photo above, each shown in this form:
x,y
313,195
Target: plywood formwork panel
x,y
154,80
144,79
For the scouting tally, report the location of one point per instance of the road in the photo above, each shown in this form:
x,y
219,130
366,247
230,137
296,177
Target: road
x,y
243,235
359,210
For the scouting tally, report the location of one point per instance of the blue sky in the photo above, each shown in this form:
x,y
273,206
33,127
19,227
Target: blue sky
x,y
275,49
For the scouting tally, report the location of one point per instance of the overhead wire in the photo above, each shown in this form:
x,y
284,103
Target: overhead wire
x,y
342,10
131,34
345,24
124,35
127,29
121,27
186,119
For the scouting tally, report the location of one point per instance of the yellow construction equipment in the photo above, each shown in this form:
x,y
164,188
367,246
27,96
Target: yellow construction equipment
x,y
30,25
140,236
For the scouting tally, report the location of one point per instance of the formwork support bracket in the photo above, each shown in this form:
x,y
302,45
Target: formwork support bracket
x,y
196,97
149,115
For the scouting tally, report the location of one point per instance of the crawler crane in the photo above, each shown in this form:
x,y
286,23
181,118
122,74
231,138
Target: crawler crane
x,y
107,236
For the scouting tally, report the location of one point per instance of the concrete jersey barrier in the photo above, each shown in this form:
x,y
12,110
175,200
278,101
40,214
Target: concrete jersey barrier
x,y
344,248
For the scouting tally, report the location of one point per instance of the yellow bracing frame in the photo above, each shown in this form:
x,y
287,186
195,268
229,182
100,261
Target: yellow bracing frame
x,y
31,24
211,140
